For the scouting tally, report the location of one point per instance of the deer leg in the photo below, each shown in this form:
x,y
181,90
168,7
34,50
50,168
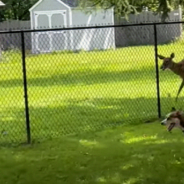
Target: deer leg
x,y
181,86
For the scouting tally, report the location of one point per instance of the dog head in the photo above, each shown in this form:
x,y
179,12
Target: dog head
x,y
167,61
173,120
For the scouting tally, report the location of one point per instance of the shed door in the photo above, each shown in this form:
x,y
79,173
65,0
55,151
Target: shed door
x,y
50,40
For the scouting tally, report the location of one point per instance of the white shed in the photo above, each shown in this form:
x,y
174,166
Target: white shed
x,y
48,14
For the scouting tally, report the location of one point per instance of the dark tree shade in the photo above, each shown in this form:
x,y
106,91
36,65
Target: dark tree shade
x,y
16,9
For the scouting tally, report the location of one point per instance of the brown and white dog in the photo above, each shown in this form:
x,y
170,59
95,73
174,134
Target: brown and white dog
x,y
174,119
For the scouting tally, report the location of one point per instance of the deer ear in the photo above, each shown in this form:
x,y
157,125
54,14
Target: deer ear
x,y
172,55
161,57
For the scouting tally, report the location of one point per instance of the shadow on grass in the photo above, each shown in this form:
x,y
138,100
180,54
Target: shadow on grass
x,y
76,117
139,154
79,116
142,163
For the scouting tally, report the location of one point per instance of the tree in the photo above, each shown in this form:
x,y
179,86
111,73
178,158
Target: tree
x,y
19,9
124,7
16,9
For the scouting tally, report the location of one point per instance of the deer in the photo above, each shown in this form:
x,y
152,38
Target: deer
x,y
177,68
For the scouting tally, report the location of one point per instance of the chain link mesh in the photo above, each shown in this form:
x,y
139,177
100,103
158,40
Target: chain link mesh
x,y
12,128
83,80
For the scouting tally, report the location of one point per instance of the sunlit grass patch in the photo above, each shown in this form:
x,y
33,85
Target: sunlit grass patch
x,y
89,143
137,139
101,180
131,181
128,166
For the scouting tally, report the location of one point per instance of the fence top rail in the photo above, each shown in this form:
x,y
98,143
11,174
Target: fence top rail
x,y
91,27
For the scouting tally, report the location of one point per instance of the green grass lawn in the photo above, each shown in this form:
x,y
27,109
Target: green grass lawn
x,y
130,154
79,92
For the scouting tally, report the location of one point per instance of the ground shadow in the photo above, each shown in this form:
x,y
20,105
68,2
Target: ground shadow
x,y
79,116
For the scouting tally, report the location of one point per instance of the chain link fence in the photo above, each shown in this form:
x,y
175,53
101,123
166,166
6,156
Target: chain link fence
x,y
73,80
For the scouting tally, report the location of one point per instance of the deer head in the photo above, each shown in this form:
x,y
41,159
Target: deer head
x,y
167,61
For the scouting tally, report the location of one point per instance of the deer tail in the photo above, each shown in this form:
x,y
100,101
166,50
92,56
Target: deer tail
x,y
180,88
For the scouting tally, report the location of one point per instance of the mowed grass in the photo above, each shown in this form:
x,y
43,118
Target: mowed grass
x,y
79,92
71,93
131,154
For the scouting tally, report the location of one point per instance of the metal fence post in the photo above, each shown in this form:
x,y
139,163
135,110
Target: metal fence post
x,y
157,71
25,88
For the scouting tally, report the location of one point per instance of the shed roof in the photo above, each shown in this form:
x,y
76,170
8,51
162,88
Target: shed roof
x,y
61,1
1,3
71,3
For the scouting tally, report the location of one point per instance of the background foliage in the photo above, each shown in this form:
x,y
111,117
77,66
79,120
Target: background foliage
x,y
18,9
